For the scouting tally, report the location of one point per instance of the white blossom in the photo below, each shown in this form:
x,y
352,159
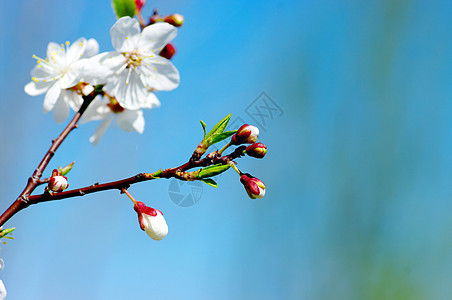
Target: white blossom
x,y
58,74
135,68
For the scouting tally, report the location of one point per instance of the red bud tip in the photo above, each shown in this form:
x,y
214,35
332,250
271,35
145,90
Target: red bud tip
x,y
168,51
141,208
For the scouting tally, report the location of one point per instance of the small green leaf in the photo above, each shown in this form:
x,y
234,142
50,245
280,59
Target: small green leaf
x,y
124,8
219,128
203,127
212,170
210,182
219,137
6,231
66,169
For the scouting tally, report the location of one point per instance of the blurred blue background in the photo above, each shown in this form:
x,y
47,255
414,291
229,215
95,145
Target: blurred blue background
x,y
358,171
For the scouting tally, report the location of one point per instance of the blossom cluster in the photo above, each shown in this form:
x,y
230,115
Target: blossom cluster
x,y
118,85
129,76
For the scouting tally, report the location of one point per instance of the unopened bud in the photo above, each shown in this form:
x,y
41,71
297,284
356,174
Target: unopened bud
x,y
247,134
151,220
257,150
168,51
140,4
175,20
253,186
57,183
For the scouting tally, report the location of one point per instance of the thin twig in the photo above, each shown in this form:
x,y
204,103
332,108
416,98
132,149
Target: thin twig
x,y
127,182
35,179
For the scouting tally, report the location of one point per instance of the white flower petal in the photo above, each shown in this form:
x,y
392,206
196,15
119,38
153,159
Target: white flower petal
x,y
36,88
92,48
2,290
155,37
155,227
160,74
131,120
51,48
45,71
87,89
128,89
71,77
51,97
61,108
74,99
99,68
97,110
103,126
56,54
125,34
75,51
151,101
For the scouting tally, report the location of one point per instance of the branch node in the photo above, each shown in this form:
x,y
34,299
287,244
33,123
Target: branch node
x,y
24,199
82,193
124,187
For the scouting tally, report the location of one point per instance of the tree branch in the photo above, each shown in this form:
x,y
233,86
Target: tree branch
x,y
211,159
23,200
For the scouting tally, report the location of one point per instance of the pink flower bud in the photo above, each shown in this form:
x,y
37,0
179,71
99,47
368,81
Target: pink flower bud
x,y
247,134
151,220
57,183
139,4
176,20
168,51
253,186
257,150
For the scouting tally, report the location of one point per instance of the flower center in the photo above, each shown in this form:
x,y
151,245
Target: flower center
x,y
133,59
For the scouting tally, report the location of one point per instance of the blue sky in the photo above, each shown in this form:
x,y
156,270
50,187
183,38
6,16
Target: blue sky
x,y
358,169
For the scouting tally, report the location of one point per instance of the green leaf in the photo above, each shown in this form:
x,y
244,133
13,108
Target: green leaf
x,y
66,169
219,137
210,182
219,128
124,8
212,170
203,127
6,231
